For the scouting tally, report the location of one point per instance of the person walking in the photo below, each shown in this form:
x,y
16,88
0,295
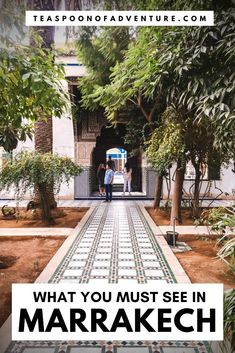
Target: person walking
x,y
108,181
127,178
100,177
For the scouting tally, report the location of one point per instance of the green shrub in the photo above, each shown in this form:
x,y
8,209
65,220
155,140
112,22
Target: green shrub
x,y
228,344
31,170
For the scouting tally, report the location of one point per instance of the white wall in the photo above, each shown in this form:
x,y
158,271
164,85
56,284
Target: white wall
x,y
63,144
226,184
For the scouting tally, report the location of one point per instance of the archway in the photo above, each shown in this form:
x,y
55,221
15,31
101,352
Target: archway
x,y
118,156
109,141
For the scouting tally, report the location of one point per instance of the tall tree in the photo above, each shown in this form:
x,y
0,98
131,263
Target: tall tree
x,y
201,88
29,80
183,67
43,127
115,75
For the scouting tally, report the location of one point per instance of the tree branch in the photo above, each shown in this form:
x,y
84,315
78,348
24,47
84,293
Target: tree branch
x,y
140,105
132,101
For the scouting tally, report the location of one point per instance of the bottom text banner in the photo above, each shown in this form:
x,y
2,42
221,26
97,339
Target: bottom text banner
x,y
117,312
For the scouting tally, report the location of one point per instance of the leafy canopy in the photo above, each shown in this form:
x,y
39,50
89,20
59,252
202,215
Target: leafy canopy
x,y
166,144
99,51
189,69
199,72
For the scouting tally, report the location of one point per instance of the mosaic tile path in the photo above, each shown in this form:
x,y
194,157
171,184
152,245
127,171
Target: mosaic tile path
x,y
115,245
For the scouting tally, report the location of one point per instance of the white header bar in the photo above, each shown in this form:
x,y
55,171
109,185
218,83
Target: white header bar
x,y
119,18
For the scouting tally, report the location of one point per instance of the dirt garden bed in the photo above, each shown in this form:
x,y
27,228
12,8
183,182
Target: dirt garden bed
x,y
65,217
22,259
162,217
200,264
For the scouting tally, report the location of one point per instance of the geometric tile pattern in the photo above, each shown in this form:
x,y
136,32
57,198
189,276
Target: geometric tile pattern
x,y
39,350
110,347
116,244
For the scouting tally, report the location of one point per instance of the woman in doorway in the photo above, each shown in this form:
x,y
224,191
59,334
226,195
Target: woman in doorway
x,y
127,178
100,177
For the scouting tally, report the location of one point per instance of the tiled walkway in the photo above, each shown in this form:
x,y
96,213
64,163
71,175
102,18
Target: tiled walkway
x,y
115,244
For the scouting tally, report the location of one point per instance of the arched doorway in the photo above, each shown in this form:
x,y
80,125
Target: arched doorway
x,y
119,157
111,142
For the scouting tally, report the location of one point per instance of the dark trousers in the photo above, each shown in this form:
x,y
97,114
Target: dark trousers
x,y
108,190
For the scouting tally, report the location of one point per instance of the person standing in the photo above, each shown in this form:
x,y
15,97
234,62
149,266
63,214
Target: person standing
x,y
100,177
108,181
127,178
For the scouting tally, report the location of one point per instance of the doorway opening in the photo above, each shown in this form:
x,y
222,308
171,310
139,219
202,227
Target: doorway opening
x,y
111,142
119,157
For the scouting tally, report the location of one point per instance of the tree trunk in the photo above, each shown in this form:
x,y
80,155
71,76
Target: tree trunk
x,y
43,144
43,129
177,194
158,192
196,210
44,203
43,135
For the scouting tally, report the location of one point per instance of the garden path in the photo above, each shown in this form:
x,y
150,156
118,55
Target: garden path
x,y
115,243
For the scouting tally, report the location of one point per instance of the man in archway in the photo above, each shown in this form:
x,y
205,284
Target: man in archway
x,y
108,181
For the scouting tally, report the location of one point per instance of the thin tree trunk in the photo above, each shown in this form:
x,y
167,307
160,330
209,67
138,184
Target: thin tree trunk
x,y
177,194
158,192
196,210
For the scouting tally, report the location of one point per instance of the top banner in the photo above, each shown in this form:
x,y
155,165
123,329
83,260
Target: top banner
x,y
119,18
